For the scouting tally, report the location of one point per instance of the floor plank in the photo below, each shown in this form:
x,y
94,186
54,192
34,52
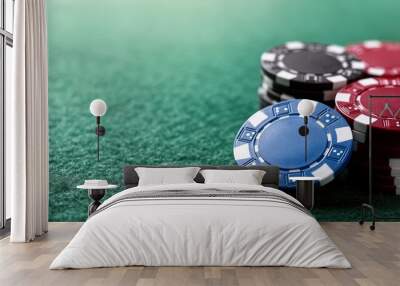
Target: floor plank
x,y
375,257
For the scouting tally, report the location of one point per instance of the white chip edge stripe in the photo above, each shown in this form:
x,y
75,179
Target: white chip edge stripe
x,y
285,75
325,173
337,80
268,57
343,134
394,163
358,65
372,44
342,97
257,118
364,119
336,49
295,45
242,152
377,71
368,81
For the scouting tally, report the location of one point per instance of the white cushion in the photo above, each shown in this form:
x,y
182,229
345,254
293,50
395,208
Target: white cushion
x,y
165,176
247,177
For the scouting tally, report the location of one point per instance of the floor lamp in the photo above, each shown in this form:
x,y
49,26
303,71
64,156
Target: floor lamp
x,y
98,108
369,206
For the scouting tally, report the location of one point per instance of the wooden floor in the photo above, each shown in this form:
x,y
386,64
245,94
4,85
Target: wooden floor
x,y
375,257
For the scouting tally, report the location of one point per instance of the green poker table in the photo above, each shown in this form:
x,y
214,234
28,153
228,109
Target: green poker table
x,y
179,77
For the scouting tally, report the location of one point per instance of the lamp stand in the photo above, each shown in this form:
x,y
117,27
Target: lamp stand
x,y
303,131
100,131
305,138
98,147
369,206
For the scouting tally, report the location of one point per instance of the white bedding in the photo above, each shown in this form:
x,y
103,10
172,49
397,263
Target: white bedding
x,y
200,231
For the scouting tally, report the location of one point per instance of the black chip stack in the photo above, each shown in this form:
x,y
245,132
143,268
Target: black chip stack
x,y
306,70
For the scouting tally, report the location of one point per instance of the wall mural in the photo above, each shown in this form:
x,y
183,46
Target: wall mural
x,y
180,78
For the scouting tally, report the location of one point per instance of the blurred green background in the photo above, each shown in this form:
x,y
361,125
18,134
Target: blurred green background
x,y
179,78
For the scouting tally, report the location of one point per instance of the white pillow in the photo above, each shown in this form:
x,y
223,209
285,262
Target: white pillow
x,y
163,176
247,177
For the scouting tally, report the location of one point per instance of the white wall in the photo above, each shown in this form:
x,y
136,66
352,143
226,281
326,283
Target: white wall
x,y
9,70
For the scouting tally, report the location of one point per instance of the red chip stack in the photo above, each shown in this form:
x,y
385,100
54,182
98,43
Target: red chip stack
x,y
382,63
383,112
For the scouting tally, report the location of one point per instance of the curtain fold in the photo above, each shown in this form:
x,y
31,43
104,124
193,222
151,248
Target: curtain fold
x,y
27,120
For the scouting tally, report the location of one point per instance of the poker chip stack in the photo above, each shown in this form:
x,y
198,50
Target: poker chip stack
x,y
299,70
382,112
381,115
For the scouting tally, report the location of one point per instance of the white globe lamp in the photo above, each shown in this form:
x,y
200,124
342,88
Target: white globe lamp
x,y
98,108
306,107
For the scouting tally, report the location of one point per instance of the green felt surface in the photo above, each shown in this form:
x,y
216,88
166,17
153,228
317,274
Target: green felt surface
x,y
179,77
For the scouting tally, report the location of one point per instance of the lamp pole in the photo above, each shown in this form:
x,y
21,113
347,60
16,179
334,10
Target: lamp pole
x,y
305,137
98,108
305,108
98,137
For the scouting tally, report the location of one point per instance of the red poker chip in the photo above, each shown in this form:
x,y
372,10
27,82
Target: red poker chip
x,y
353,102
381,58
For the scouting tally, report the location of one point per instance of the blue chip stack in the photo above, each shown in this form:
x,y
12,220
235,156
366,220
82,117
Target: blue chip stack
x,y
271,137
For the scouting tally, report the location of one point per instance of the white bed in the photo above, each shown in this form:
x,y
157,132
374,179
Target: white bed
x,y
206,230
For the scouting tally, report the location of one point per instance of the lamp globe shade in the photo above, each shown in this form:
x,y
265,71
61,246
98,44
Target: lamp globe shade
x,y
306,107
98,107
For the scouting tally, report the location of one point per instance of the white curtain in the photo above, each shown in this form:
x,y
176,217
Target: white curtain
x,y
27,124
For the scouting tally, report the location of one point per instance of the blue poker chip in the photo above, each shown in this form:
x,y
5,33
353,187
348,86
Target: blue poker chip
x,y
271,137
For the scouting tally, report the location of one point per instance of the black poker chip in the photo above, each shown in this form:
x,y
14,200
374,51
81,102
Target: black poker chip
x,y
311,66
270,95
265,91
318,95
274,94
